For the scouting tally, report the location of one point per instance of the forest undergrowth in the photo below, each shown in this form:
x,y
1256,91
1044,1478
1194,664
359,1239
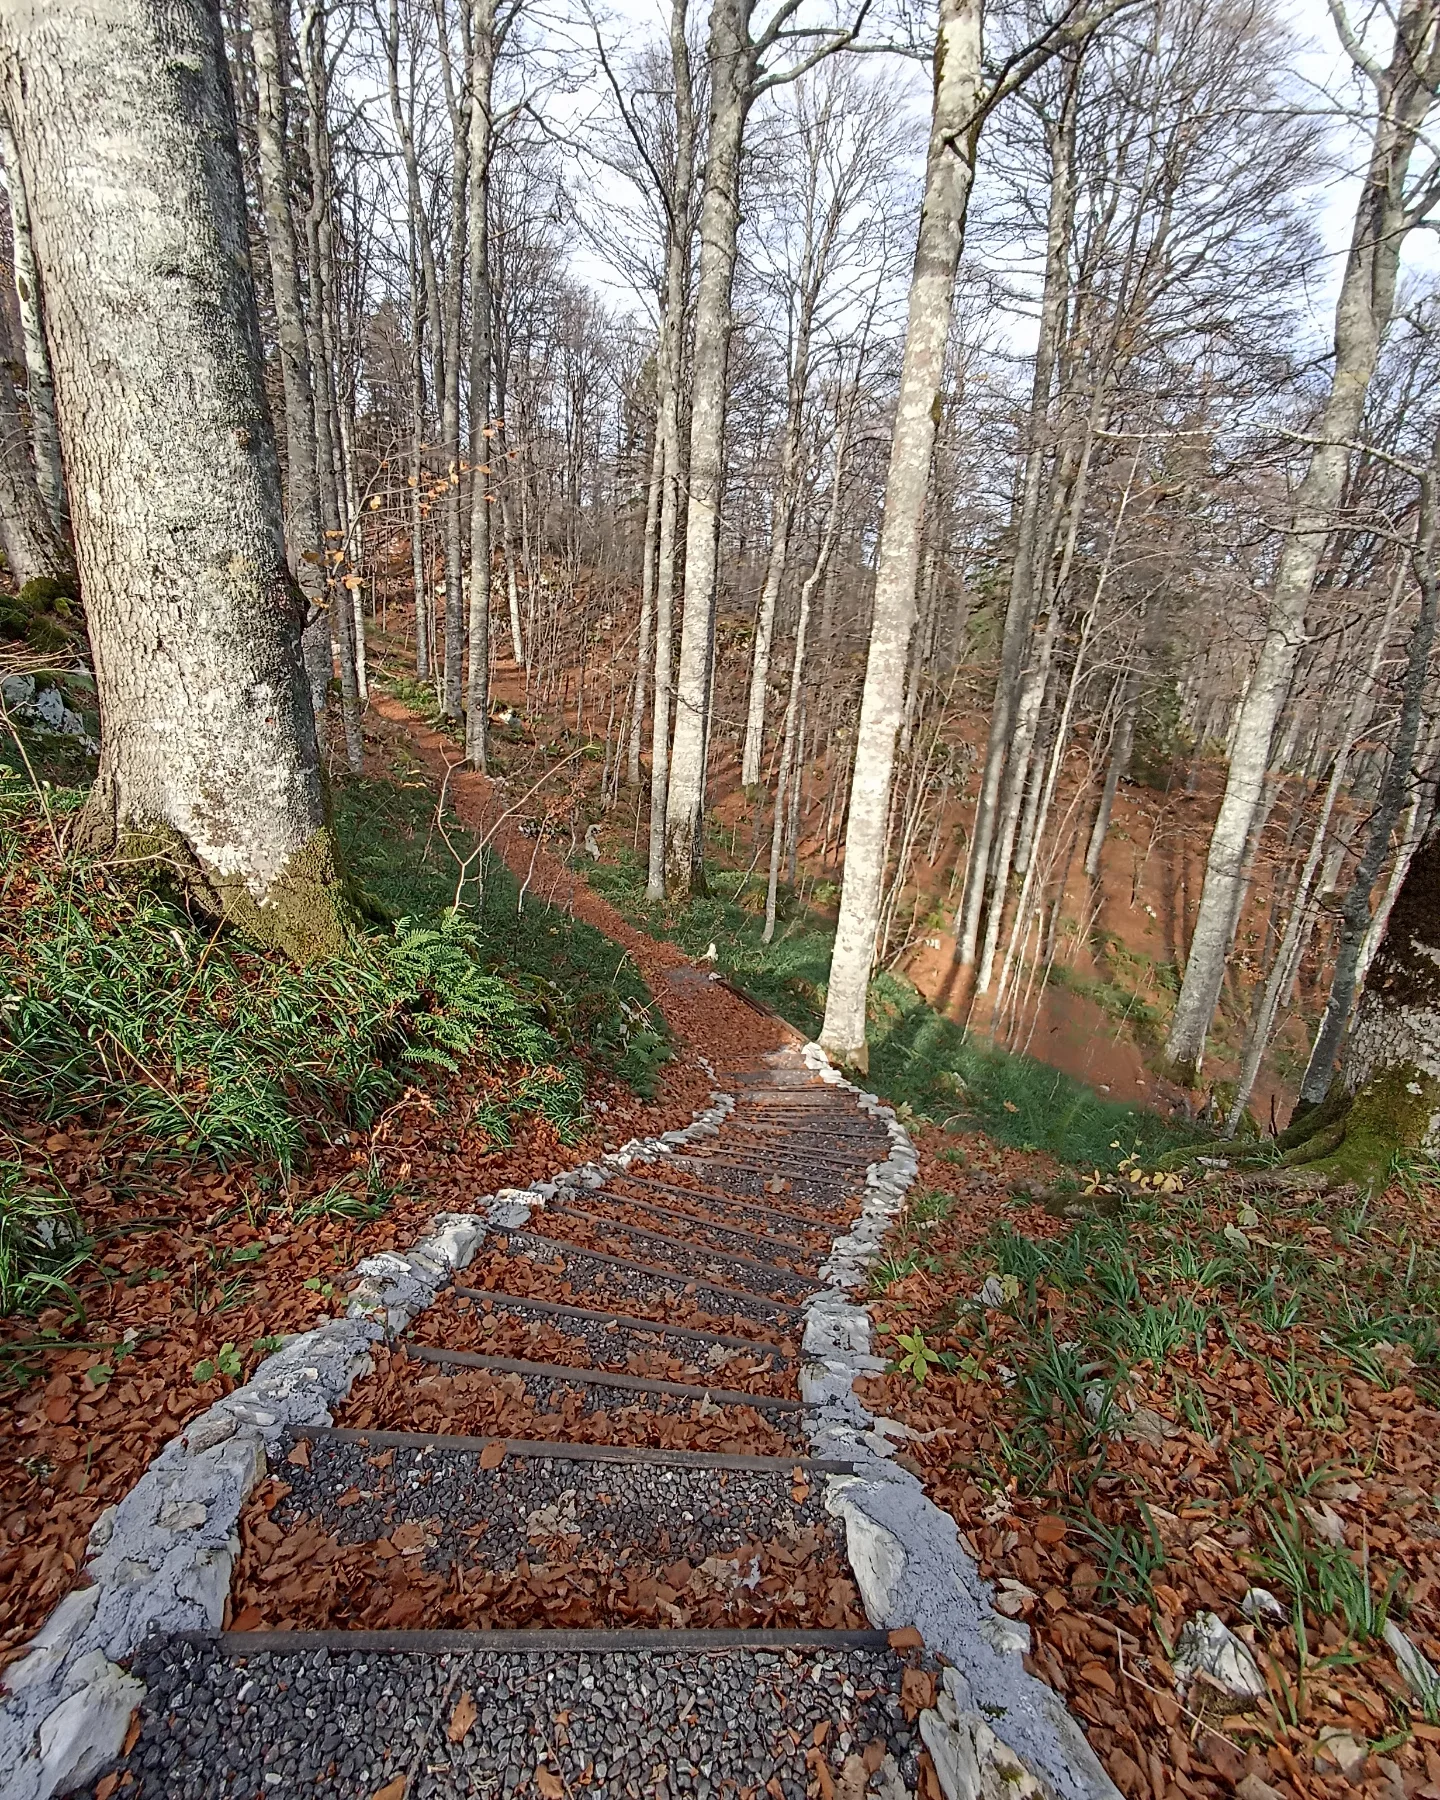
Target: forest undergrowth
x,y
1159,1396
200,1139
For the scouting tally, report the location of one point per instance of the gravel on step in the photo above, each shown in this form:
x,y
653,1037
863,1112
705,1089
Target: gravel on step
x,y
346,1724
500,1326
657,1291
643,1243
650,1508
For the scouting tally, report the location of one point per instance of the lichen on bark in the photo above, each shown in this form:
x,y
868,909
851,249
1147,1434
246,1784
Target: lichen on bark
x,y
309,911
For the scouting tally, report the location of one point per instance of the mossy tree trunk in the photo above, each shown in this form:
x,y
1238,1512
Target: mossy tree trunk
x,y
1387,1099
124,124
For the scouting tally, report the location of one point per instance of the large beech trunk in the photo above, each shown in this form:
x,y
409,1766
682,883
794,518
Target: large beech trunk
x,y
949,174
125,129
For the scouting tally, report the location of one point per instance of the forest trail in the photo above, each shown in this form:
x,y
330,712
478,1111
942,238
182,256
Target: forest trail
x,y
597,1434
705,1015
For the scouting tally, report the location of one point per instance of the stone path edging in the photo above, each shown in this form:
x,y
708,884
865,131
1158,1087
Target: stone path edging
x,y
161,1559
996,1732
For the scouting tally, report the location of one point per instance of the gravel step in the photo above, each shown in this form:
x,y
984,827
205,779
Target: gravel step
x,y
613,1381
819,1227
217,1724
614,1286
749,1175
356,1537
552,1403
652,1507
469,1318
762,1275
646,1282
751,1238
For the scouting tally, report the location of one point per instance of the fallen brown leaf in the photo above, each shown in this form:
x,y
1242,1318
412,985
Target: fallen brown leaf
x,y
463,1717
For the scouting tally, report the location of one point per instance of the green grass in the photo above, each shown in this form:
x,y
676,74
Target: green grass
x,y
1171,1290
918,1058
120,1008
584,988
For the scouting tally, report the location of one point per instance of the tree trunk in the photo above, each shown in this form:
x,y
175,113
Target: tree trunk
x,y
648,542
316,71
784,517
34,550
672,340
1355,913
482,138
39,386
1024,573
126,133
1115,769
454,694
1405,94
1387,1101
949,173
304,536
731,60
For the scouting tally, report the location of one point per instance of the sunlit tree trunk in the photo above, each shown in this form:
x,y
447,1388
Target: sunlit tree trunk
x,y
126,135
668,363
949,173
731,64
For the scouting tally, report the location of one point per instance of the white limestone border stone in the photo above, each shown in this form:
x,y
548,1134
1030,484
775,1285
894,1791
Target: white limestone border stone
x,y
161,1559
995,1732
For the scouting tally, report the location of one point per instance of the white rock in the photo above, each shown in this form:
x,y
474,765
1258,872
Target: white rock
x,y
87,1731
970,1760
54,1641
209,1429
184,1515
1259,1603
875,1554
992,1294
1209,1649
1418,1670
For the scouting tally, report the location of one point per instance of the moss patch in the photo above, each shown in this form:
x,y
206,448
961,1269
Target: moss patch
x,y
1356,1140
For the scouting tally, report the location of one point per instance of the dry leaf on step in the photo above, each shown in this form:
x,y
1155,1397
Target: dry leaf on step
x,y
491,1457
463,1717
392,1790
